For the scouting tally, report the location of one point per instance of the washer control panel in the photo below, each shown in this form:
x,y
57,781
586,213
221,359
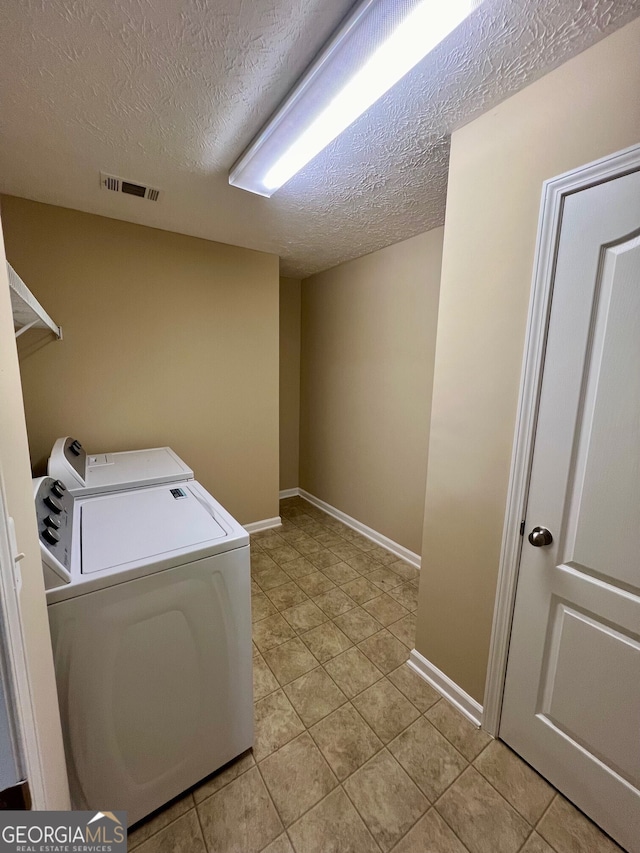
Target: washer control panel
x,y
54,512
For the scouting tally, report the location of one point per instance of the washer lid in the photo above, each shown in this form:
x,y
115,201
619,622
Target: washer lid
x,y
124,527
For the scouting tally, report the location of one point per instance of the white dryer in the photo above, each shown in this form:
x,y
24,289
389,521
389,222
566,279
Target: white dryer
x,y
148,595
90,474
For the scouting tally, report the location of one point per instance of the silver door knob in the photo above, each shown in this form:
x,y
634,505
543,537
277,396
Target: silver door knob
x,y
540,536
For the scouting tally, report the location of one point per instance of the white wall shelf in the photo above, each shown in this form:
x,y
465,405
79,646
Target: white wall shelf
x,y
27,311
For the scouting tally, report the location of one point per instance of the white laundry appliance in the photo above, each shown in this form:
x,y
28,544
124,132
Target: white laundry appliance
x,y
148,595
89,474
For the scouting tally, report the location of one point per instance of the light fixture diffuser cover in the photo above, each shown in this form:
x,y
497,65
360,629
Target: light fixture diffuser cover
x,y
377,44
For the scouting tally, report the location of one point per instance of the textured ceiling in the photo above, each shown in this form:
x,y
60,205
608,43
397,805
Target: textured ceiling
x,y
169,92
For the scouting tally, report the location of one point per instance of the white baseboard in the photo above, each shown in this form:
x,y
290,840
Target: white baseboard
x,y
289,493
466,704
378,538
265,524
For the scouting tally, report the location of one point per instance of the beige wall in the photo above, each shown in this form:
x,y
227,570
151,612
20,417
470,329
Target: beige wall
x,y
168,339
14,464
584,110
368,341
289,382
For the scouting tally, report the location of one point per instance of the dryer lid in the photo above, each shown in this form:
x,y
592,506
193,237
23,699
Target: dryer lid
x,y
125,527
130,468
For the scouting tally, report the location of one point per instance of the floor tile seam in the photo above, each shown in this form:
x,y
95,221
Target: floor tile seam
x,y
420,711
335,586
524,843
388,628
333,520
358,811
369,570
306,524
286,832
318,594
452,745
435,806
393,588
223,786
266,695
444,699
300,536
302,577
360,607
408,648
306,811
287,683
544,813
508,802
382,743
408,613
326,515
271,615
415,720
357,645
277,644
283,565
353,581
299,632
263,590
331,618
331,657
266,592
204,840
293,737
266,663
431,808
287,544
270,550
273,803
171,822
306,594
355,642
280,587
450,785
513,806
360,692
386,675
349,698
324,717
382,592
337,627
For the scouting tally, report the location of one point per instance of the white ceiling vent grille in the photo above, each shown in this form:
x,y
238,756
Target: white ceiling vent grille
x,y
118,185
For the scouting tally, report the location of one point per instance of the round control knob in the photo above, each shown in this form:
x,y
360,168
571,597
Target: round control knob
x,y
53,504
58,488
52,536
75,447
540,536
50,521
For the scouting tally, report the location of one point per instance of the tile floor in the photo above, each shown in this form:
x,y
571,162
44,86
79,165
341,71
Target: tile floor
x,y
354,753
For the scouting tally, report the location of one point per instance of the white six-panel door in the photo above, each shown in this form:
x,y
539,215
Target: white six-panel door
x,y
572,693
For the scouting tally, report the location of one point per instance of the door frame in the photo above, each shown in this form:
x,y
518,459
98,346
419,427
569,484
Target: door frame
x,y
554,192
20,695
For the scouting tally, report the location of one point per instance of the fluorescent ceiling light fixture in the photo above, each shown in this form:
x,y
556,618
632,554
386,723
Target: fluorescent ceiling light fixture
x,y
380,42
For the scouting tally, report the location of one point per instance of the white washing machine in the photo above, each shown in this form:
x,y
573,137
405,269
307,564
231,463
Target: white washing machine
x,y
148,595
105,472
